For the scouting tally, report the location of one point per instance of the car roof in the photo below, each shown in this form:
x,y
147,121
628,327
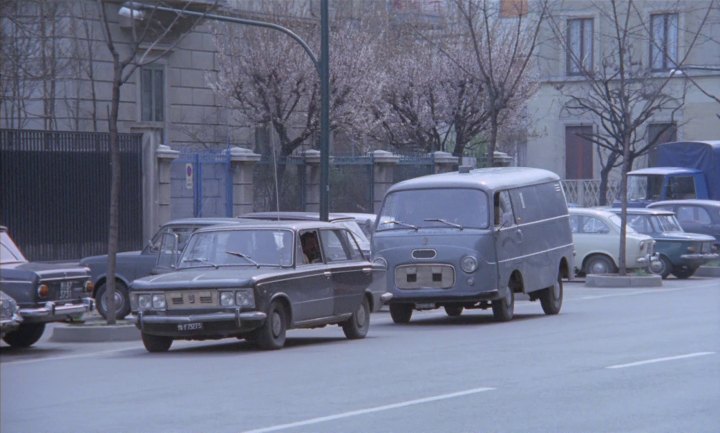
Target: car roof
x,y
644,211
286,225
705,202
294,216
491,178
589,211
203,221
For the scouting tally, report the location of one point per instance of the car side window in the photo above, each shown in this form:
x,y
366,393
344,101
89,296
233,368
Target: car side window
x,y
595,226
693,214
575,223
310,245
333,246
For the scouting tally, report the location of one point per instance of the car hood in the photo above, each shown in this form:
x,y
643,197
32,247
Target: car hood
x,y
207,277
104,257
683,236
42,271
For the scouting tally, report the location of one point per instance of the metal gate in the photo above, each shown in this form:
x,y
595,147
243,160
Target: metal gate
x,y
201,185
55,192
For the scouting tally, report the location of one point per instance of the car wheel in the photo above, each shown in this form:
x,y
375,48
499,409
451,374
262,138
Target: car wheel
x,y
358,324
684,272
551,297
503,309
663,268
401,313
597,264
156,343
122,300
271,335
453,310
26,335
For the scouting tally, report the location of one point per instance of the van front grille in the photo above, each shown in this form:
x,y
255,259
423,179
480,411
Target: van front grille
x,y
426,276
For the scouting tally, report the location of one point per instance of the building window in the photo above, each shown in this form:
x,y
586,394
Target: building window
x,y
578,152
513,8
661,133
152,94
663,41
579,45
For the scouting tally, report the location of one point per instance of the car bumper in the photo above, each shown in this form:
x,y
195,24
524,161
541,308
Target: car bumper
x,y
53,311
209,325
698,259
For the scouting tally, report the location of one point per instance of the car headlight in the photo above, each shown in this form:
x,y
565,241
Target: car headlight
x,y
158,302
227,299
245,298
144,302
469,264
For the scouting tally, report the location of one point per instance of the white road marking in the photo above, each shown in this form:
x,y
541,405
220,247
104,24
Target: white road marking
x,y
669,358
369,410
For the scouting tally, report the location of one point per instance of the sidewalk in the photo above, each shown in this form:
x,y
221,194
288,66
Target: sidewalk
x,y
94,329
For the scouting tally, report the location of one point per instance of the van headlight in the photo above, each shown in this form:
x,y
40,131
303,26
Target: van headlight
x,y
469,264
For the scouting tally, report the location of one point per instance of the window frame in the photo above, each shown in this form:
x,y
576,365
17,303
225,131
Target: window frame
x,y
586,56
659,49
157,92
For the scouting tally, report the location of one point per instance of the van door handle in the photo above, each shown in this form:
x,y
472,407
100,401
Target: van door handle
x,y
519,234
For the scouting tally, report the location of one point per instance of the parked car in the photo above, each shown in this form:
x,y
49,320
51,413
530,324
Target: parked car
x,y
596,235
131,265
680,253
9,318
44,292
695,216
251,281
344,220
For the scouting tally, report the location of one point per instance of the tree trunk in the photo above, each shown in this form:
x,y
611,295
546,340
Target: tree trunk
x,y
114,194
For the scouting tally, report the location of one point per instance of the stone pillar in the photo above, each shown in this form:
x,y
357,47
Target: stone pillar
x,y
242,166
152,137
444,162
383,163
312,180
164,156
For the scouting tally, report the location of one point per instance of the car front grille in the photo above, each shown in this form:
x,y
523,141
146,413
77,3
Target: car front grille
x,y
425,276
191,299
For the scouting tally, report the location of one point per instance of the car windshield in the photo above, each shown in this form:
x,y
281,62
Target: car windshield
x,y
452,208
248,247
9,252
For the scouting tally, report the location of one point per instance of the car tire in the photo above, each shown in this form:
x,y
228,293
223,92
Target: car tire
x,y
453,310
122,300
684,272
271,335
401,313
599,264
26,335
664,267
551,297
504,309
156,343
357,325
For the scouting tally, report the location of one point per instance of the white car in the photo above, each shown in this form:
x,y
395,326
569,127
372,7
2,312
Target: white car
x,y
596,234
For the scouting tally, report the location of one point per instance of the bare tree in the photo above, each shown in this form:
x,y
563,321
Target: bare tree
x,y
623,92
156,35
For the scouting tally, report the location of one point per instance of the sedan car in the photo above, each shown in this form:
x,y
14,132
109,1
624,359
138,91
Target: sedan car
x,y
596,235
251,281
695,216
131,265
680,253
44,292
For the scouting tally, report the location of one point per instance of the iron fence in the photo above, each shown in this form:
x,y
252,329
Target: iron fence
x,y
201,185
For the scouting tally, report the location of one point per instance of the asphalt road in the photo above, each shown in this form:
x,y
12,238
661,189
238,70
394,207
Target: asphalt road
x,y
614,360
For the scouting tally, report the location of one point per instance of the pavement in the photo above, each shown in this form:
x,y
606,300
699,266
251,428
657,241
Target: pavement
x,y
93,328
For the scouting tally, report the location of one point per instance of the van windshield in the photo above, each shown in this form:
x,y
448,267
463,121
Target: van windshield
x,y
450,208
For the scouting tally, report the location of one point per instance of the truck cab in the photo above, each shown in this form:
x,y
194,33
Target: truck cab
x,y
653,184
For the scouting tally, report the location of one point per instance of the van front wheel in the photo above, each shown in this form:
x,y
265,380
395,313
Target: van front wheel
x,y
401,313
551,297
503,309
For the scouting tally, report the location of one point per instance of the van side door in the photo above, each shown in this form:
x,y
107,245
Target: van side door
x,y
508,237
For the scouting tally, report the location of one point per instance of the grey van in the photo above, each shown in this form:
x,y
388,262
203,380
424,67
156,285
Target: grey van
x,y
473,239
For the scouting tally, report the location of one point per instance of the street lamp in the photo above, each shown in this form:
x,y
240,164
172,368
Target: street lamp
x,y
134,10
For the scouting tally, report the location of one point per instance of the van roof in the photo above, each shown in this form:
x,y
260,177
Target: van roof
x,y
493,178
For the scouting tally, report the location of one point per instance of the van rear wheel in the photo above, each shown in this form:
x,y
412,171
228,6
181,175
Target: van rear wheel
x,y
503,309
401,313
551,297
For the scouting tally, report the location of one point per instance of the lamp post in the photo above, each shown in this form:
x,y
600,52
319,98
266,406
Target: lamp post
x,y
322,66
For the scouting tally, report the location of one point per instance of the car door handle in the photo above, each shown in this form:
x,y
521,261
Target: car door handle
x,y
327,274
519,234
367,270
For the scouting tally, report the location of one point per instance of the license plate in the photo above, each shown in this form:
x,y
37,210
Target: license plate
x,y
189,326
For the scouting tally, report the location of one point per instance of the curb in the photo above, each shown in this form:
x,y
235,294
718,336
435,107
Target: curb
x,y
708,271
614,280
94,332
